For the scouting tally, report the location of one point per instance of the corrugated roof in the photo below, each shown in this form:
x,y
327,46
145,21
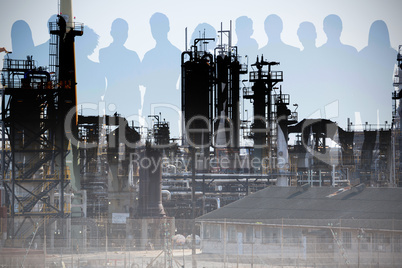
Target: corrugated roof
x,y
314,203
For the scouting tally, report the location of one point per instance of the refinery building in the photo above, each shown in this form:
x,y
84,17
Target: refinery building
x,y
267,189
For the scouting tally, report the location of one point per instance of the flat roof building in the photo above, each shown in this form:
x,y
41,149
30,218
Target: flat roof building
x,y
349,226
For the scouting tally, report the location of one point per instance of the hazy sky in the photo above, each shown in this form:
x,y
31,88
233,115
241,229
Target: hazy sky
x,y
357,16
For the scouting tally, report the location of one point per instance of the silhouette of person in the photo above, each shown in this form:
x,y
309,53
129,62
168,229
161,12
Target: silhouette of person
x,y
204,30
333,30
308,60
41,52
160,71
244,30
246,46
307,36
377,60
21,40
90,77
121,67
338,71
277,50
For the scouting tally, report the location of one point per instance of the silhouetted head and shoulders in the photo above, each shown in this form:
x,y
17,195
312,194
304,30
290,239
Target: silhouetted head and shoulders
x,y
307,36
244,31
273,26
21,40
333,27
116,50
377,60
379,46
160,72
121,67
90,76
308,57
164,50
85,45
160,28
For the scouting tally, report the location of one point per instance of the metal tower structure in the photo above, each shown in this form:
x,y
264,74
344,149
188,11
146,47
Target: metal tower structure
x,y
211,94
397,94
197,95
227,87
35,102
264,116
396,139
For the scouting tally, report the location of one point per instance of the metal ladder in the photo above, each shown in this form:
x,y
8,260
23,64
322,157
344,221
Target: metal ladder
x,y
54,52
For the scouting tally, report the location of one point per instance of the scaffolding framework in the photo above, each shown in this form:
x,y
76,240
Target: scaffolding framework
x,y
35,103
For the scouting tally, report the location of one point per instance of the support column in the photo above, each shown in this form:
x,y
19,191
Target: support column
x,y
144,233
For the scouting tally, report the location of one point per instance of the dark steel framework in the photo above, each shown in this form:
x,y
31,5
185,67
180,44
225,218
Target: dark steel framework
x,y
197,95
35,147
264,126
211,92
227,87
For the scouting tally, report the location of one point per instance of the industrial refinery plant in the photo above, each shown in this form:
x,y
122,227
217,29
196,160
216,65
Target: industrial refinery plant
x,y
232,189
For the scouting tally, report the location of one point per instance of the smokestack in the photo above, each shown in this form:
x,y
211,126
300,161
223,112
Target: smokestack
x,y
66,10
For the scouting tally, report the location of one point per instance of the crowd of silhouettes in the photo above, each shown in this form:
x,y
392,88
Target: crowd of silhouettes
x,y
333,81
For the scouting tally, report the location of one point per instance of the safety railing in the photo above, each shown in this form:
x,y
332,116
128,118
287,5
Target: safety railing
x,y
273,75
75,26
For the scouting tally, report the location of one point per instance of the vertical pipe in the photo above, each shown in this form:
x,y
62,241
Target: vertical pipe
x,y
393,168
44,239
282,244
193,252
66,10
185,37
12,191
252,254
3,149
106,249
230,38
320,178
203,195
224,243
61,175
269,104
221,37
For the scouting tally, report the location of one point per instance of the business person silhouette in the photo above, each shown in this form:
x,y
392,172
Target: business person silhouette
x,y
160,71
377,62
91,82
121,67
21,40
337,72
